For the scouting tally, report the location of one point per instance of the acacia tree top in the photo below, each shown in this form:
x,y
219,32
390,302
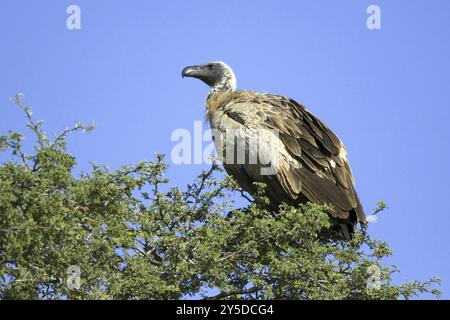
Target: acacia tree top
x,y
128,234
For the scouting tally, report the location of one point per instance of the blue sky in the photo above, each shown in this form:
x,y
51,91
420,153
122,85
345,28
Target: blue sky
x,y
384,92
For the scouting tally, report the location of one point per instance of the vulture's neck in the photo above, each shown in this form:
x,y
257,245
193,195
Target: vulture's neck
x,y
227,83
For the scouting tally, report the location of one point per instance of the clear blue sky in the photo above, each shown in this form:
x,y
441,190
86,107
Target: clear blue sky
x,y
386,92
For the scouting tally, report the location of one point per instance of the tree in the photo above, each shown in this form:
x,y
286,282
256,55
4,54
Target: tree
x,y
127,235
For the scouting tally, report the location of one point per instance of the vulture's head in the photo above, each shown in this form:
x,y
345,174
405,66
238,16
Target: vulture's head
x,y
218,75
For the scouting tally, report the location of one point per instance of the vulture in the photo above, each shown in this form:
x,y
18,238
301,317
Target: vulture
x,y
273,139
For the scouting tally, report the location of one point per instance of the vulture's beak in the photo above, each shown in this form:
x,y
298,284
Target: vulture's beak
x,y
192,71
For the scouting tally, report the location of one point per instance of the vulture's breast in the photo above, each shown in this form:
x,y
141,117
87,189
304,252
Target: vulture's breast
x,y
240,139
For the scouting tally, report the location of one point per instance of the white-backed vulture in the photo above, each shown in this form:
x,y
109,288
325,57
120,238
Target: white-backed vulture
x,y
310,161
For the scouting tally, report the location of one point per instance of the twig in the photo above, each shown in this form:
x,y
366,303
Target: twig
x,y
232,293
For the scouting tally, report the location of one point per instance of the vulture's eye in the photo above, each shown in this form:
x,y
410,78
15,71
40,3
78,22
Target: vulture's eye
x,y
210,66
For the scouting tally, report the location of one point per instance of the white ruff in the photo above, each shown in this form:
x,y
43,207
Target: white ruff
x,y
228,81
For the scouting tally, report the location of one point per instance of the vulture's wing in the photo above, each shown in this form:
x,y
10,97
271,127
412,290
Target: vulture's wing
x,y
314,164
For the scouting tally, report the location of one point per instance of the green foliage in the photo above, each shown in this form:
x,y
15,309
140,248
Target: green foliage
x,y
134,237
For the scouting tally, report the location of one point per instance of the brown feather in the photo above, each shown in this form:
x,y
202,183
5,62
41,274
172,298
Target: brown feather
x,y
312,168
